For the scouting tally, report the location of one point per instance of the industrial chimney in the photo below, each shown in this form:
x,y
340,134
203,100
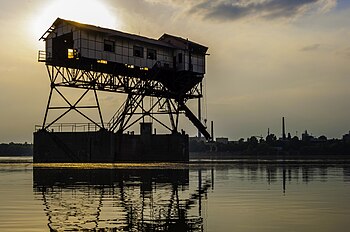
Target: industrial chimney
x,y
283,129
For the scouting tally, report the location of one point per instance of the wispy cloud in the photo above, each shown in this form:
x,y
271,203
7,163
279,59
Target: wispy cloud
x,y
230,10
268,9
311,47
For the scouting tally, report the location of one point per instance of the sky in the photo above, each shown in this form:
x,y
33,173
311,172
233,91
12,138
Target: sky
x,y
268,59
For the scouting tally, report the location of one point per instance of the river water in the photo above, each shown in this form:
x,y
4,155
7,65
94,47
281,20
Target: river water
x,y
231,195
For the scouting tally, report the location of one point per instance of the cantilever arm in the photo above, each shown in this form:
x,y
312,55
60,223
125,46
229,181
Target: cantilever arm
x,y
196,122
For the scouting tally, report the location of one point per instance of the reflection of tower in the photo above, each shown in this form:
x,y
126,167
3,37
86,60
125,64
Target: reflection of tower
x,y
346,173
128,200
305,173
284,179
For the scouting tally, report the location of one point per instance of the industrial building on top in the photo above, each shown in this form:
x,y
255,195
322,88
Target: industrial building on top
x,y
77,45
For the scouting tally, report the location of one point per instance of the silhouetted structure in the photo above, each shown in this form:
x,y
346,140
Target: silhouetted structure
x,y
283,129
158,77
346,138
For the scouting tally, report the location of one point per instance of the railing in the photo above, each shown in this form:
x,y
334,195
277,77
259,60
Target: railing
x,y
73,127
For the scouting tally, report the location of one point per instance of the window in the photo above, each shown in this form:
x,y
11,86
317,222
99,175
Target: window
x,y
102,61
151,54
180,58
138,51
108,46
72,53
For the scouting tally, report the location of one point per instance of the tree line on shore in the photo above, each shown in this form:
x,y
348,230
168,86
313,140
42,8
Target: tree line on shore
x,y
273,146
16,149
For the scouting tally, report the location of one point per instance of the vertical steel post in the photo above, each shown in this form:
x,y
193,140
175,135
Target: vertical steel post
x,y
48,105
199,115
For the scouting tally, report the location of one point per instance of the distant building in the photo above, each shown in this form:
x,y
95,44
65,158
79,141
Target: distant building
x,y
222,140
197,139
346,138
306,137
322,138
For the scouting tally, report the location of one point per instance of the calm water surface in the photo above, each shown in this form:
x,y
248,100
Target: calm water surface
x,y
228,196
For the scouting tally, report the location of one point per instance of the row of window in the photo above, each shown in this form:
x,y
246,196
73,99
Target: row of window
x,y
137,50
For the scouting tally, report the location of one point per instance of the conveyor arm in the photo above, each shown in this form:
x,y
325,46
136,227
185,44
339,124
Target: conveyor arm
x,y
195,120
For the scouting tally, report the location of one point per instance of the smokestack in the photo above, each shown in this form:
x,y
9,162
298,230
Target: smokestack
x,y
283,129
212,130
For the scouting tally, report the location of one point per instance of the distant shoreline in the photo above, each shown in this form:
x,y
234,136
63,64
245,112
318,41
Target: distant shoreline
x,y
193,162
16,149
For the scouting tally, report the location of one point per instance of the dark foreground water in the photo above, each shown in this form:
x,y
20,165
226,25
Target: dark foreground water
x,y
229,196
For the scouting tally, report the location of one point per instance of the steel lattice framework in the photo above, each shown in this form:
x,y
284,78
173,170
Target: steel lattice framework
x,y
132,110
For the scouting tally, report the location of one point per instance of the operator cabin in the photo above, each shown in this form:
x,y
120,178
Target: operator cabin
x,y
82,46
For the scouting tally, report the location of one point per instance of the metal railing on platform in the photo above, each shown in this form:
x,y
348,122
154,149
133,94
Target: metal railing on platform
x,y
73,127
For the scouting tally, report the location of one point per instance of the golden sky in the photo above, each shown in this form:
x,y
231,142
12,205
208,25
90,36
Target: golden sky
x,y
269,58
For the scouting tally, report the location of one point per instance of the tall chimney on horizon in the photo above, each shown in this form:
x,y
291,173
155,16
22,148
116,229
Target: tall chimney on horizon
x,y
283,129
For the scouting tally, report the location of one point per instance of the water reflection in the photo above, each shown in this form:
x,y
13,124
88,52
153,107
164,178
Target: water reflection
x,y
120,199
296,172
282,173
184,199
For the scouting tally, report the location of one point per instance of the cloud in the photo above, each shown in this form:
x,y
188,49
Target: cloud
x,y
230,10
327,5
312,47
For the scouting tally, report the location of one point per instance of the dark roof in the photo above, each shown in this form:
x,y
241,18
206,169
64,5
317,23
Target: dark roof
x,y
110,32
183,43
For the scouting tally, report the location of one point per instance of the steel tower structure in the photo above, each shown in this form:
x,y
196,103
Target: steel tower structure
x,y
162,86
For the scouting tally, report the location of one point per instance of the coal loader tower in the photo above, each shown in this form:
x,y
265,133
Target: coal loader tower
x,y
158,77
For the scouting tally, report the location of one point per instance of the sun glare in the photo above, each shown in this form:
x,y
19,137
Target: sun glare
x,y
94,12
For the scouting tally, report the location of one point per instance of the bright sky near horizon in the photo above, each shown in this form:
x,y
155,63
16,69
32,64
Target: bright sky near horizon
x,y
269,59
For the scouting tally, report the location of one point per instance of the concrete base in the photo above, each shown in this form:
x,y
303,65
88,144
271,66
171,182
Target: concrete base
x,y
105,147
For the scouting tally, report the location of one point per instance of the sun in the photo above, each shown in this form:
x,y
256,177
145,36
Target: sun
x,y
94,12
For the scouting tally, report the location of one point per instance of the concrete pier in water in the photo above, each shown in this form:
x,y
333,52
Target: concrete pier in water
x,y
104,147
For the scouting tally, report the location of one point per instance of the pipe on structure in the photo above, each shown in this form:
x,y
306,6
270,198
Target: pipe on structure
x,y
199,116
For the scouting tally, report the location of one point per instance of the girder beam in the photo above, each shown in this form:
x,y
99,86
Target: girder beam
x,y
133,109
